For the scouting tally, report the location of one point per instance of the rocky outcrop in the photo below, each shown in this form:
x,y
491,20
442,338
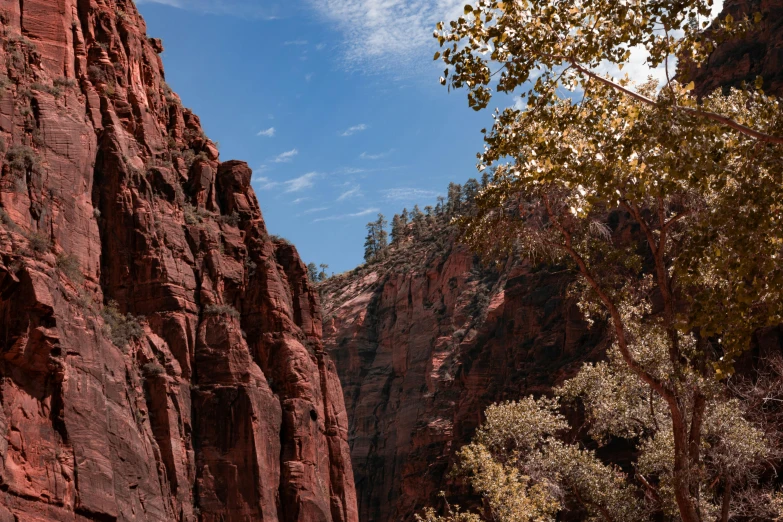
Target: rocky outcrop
x,y
160,353
424,342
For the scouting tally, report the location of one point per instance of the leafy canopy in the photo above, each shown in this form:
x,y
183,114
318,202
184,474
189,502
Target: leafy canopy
x,y
667,208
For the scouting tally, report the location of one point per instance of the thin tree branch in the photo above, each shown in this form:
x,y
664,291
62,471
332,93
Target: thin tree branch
x,y
719,118
617,320
650,488
726,504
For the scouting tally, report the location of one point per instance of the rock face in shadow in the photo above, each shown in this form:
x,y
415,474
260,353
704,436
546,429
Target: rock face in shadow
x,y
423,343
160,353
759,53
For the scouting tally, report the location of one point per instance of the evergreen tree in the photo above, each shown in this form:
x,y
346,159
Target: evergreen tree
x,y
377,240
440,207
485,180
370,243
430,219
399,229
416,213
323,276
418,222
471,190
312,272
454,204
382,235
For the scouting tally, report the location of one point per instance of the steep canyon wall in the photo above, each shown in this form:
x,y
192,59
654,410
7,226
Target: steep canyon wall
x,y
160,353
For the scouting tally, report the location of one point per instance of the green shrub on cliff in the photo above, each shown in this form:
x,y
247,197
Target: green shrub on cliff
x,y
121,328
221,309
69,265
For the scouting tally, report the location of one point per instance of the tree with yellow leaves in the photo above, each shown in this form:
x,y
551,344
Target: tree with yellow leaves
x,y
669,211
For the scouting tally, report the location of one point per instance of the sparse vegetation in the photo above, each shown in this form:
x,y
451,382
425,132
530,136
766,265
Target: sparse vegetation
x,y
122,329
221,309
22,159
68,265
153,369
195,215
231,220
65,83
54,90
96,74
39,243
4,83
7,222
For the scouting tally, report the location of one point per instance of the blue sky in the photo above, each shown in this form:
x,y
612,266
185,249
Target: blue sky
x,y
335,104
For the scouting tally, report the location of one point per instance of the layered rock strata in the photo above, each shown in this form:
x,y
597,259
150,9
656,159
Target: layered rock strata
x,y
160,353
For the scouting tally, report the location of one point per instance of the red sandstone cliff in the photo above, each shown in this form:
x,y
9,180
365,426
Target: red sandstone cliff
x,y
759,53
424,342
213,400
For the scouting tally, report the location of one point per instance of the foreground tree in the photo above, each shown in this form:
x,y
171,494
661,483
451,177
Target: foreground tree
x,y
668,211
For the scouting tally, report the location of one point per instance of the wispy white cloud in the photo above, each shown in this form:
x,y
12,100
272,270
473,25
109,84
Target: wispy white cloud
x,y
387,35
353,192
300,200
302,182
263,183
269,133
314,210
352,170
295,42
365,212
350,131
408,194
292,185
309,76
285,157
239,8
368,156
320,47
